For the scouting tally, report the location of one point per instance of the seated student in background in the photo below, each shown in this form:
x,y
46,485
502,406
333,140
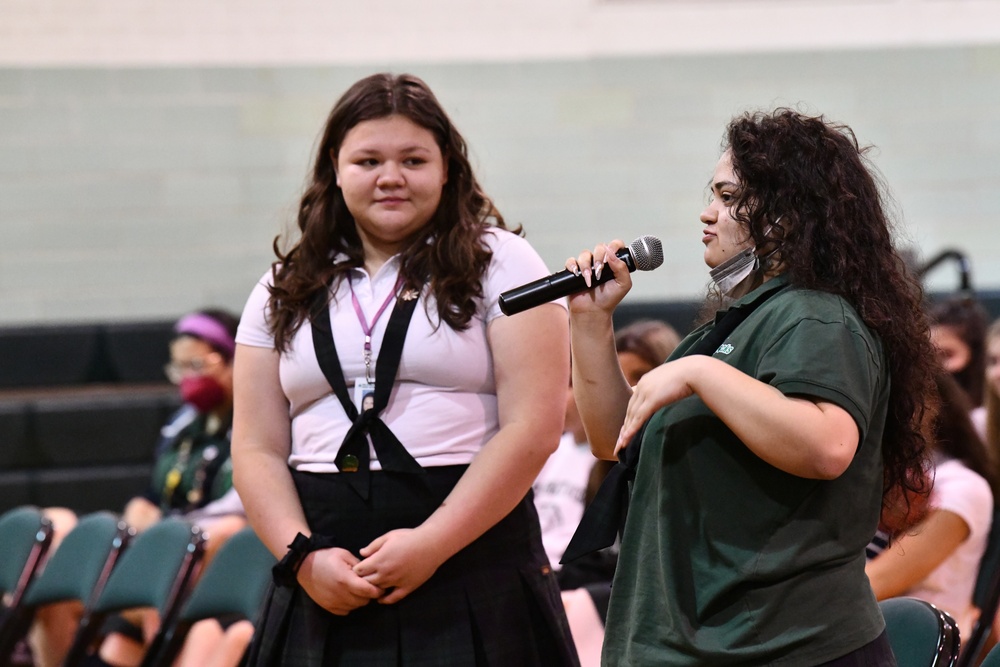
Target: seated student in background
x,y
958,331
938,559
561,484
989,415
192,470
990,411
569,478
641,346
586,581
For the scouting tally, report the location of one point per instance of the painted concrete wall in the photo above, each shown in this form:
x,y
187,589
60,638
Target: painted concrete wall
x,y
149,153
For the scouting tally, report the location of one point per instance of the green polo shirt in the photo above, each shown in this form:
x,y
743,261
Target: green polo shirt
x,y
724,558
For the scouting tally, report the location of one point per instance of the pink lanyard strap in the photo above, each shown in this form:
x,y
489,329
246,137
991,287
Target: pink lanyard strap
x,y
365,327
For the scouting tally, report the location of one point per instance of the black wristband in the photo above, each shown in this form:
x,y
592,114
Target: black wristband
x,y
285,571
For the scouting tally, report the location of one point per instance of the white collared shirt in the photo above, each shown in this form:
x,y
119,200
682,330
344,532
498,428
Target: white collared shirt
x,y
443,407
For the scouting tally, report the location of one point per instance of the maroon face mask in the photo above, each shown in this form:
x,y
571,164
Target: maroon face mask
x,y
203,392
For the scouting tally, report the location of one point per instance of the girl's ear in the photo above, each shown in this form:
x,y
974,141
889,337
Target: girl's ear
x,y
333,160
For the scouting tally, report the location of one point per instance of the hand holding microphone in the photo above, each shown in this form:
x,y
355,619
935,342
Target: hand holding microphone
x,y
644,253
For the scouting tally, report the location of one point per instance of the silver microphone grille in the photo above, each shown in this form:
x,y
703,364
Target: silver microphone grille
x,y
647,251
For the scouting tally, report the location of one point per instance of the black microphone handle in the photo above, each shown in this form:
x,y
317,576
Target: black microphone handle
x,y
556,286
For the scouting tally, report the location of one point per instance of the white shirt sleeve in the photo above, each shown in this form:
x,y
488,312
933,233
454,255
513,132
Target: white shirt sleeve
x,y
950,585
961,491
253,329
514,263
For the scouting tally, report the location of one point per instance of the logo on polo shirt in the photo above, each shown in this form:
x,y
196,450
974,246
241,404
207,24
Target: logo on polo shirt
x,y
725,348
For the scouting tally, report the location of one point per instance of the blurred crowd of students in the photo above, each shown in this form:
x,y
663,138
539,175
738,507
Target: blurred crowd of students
x,y
191,478
937,560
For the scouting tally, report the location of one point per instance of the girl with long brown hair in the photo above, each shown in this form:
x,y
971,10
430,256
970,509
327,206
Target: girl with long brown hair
x,y
404,526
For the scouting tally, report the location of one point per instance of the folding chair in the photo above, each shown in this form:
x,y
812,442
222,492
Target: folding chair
x,y
921,635
78,570
233,583
986,597
992,658
25,537
155,571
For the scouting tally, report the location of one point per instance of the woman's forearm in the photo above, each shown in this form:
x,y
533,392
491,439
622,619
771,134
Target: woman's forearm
x,y
599,386
270,500
803,437
811,439
496,481
261,445
912,557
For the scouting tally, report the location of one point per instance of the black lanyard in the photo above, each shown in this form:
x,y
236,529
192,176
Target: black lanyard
x,y
605,516
353,458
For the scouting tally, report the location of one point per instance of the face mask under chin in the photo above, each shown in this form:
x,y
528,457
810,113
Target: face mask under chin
x,y
732,272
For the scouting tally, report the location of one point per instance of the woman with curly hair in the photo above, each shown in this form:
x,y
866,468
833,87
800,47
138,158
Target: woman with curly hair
x,y
405,527
763,448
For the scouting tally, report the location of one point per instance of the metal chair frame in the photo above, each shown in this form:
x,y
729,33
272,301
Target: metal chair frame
x,y
15,614
88,633
213,595
948,642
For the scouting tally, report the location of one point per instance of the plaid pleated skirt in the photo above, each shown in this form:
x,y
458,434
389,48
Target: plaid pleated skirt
x,y
495,603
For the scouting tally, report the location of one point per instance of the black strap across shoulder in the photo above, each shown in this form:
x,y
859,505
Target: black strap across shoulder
x,y
604,518
353,458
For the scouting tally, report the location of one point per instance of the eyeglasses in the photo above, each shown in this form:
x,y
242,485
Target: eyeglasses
x,y
178,370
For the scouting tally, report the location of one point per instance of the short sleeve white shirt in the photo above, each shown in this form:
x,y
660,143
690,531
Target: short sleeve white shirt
x,y
443,406
560,489
963,492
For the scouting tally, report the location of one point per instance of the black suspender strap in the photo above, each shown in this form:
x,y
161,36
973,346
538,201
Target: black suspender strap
x,y
604,518
326,355
353,458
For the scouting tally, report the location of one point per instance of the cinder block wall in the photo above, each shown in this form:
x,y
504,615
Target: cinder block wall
x,y
148,156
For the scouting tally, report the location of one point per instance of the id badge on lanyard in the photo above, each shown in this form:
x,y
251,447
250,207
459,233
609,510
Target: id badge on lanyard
x,y
364,394
364,389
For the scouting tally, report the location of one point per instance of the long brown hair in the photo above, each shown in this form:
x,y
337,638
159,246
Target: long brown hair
x,y
954,434
809,194
968,319
991,402
650,340
448,254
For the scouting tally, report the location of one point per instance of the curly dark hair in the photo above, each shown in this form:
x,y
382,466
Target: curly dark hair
x,y
809,197
452,265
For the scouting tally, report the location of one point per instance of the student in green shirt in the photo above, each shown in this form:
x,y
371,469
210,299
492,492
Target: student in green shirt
x,y
774,430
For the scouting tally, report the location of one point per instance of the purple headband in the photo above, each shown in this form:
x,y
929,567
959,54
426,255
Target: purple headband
x,y
209,330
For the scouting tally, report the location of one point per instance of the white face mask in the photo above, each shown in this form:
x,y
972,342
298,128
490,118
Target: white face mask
x,y
735,270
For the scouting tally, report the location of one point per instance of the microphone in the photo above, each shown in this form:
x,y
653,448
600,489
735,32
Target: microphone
x,y
645,254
